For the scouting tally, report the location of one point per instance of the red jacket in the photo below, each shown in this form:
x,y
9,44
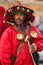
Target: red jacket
x,y
3,26
2,10
9,46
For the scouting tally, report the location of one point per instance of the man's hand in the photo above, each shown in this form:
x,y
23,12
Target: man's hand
x,y
33,48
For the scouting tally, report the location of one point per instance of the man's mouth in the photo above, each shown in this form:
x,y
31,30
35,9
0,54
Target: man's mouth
x,y
19,20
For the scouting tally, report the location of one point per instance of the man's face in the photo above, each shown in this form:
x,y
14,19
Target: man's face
x,y
19,18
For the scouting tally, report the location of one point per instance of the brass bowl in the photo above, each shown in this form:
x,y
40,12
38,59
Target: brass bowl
x,y
20,36
34,34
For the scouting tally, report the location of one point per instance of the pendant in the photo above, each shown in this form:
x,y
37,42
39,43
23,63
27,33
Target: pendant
x,y
20,36
34,34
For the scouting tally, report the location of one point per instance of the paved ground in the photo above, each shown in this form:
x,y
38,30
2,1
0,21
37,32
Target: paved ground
x,y
40,64
41,58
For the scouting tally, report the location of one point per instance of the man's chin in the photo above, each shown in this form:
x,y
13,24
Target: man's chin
x,y
19,23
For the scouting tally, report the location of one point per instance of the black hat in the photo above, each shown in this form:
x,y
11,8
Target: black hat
x,y
27,12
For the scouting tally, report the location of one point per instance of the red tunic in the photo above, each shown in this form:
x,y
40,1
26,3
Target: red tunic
x,y
9,46
3,26
2,10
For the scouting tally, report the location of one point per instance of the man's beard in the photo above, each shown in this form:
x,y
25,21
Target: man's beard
x,y
18,23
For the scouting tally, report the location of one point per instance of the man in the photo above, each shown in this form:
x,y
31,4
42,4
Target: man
x,y
3,26
2,10
21,40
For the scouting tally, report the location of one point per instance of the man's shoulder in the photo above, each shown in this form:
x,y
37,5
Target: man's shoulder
x,y
34,27
36,30
10,29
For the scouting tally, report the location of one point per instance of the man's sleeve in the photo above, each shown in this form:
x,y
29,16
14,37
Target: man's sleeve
x,y
39,44
39,40
5,49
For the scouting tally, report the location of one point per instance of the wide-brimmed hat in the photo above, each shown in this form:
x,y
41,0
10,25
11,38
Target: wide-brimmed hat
x,y
27,12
